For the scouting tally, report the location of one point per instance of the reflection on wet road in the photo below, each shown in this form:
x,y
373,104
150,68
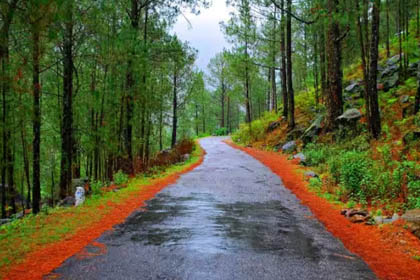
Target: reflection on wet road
x,y
230,218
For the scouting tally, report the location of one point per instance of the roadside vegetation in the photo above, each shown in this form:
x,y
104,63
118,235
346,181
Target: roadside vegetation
x,y
351,167
33,233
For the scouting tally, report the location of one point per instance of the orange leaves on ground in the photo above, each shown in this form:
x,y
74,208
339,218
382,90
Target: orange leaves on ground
x,y
388,250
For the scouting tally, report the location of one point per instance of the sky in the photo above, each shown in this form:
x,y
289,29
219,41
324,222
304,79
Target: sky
x,y
204,33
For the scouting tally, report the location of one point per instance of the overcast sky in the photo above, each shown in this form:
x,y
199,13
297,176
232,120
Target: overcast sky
x,y
204,33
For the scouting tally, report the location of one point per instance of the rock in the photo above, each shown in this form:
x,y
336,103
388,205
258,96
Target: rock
x,y
356,215
378,220
351,115
5,221
79,196
273,126
414,228
79,182
301,157
412,216
394,60
289,147
358,218
67,202
413,69
404,99
295,134
354,87
186,157
313,130
395,217
311,174
391,81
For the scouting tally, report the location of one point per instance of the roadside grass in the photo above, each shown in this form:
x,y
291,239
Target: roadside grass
x,y
33,232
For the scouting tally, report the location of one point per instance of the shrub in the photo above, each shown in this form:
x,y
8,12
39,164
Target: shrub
x,y
120,178
316,154
353,173
96,187
220,131
254,131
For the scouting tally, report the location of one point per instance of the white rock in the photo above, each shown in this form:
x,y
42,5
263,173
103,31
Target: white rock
x,y
79,196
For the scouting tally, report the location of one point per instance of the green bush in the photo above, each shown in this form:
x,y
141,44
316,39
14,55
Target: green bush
x,y
120,178
221,131
316,154
255,131
96,187
353,173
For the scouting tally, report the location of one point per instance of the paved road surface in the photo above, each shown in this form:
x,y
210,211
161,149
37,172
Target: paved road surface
x,y
230,218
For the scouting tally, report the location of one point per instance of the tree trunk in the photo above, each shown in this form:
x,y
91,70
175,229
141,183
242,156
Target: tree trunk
x,y
247,94
174,109
283,62
7,18
36,193
67,121
222,102
334,99
375,119
388,49
290,92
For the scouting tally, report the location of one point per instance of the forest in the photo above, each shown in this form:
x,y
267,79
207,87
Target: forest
x,y
91,89
105,96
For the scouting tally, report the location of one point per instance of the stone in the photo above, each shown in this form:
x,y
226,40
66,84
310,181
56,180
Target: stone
x,y
353,88
295,134
301,157
5,221
391,81
186,157
394,60
311,174
313,130
358,219
395,217
67,202
79,182
273,126
413,69
351,115
289,147
79,196
378,220
412,216
404,99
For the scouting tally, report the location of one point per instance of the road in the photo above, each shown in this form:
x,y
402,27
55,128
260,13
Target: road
x,y
230,218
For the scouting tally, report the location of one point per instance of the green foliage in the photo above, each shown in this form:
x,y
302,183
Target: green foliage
x,y
220,131
96,187
254,131
120,178
315,183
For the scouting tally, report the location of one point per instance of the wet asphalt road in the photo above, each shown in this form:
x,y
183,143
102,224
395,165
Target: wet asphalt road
x,y
230,218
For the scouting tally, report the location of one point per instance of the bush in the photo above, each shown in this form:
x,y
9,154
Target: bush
x,y
120,178
353,173
96,187
316,154
255,131
220,131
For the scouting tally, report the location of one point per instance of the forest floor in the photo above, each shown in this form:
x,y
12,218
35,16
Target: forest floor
x,y
390,250
32,247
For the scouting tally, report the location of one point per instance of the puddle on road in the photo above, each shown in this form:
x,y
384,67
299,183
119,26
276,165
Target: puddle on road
x,y
201,223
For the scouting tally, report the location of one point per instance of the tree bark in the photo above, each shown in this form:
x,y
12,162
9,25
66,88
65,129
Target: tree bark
x,y
290,92
36,184
375,119
67,121
283,62
174,109
334,99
